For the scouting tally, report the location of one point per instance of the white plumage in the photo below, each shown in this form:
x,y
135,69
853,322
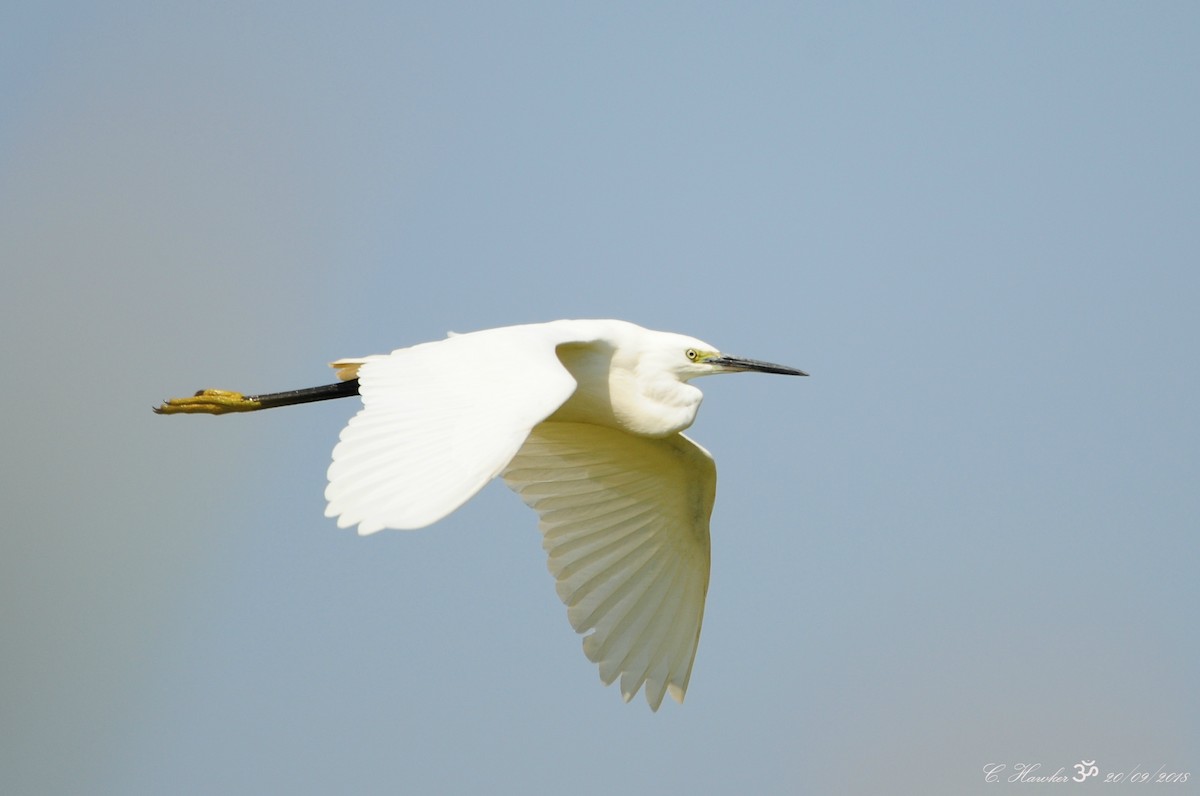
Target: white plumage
x,y
583,420
624,520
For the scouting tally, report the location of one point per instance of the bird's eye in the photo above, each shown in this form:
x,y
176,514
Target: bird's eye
x,y
691,354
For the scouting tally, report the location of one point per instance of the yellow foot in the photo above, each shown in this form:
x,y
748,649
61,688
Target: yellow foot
x,y
208,402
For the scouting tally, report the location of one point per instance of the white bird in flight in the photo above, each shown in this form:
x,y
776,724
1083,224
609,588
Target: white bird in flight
x,y
584,420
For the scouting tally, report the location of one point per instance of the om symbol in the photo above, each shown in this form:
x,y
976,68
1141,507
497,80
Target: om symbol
x,y
1086,768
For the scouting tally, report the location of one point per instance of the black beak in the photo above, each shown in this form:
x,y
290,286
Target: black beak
x,y
738,363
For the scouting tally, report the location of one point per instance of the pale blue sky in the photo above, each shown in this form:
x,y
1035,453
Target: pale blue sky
x,y
970,537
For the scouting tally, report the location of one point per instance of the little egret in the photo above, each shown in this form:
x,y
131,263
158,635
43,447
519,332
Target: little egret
x,y
583,419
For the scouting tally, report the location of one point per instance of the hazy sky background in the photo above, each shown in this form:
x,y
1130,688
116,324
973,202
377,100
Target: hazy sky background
x,y
969,538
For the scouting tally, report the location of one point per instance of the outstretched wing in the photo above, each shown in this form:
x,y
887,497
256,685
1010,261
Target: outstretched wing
x,y
625,522
440,420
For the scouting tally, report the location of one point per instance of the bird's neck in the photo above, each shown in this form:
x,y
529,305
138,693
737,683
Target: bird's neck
x,y
641,401
663,406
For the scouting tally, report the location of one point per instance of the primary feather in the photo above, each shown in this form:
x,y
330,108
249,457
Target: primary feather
x,y
624,520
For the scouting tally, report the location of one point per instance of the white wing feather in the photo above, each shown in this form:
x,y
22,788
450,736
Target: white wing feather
x,y
440,420
625,522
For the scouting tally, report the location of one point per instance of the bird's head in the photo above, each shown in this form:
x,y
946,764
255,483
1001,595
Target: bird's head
x,y
690,358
